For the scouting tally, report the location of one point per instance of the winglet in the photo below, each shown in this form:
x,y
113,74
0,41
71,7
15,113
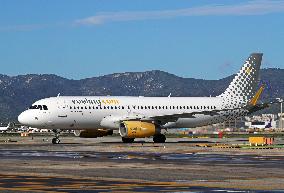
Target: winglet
x,y
256,96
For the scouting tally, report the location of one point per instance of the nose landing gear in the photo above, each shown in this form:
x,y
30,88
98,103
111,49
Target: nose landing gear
x,y
56,139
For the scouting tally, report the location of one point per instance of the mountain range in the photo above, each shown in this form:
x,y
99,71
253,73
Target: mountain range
x,y
17,93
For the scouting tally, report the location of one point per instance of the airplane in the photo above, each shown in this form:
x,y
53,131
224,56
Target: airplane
x,y
261,124
5,129
140,117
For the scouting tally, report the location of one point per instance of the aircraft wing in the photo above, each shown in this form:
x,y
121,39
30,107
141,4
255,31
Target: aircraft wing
x,y
162,119
174,117
250,107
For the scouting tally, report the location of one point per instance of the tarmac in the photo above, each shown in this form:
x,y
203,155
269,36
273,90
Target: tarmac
x,y
106,164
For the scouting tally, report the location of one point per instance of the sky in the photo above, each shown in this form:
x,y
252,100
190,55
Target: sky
x,y
190,38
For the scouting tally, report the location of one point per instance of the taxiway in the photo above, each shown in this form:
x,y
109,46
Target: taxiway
x,y
105,164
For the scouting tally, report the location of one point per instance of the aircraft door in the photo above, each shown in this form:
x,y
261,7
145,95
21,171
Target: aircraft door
x,y
62,107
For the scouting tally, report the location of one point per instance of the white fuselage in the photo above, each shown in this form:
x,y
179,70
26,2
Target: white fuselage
x,y
86,112
2,129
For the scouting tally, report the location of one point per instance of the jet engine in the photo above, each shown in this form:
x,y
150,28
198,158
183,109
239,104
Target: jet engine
x,y
93,133
137,129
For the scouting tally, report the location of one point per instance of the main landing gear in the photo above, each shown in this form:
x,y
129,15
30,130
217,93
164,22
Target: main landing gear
x,y
159,138
56,139
127,140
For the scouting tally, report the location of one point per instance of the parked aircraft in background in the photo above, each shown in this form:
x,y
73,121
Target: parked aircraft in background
x,y
139,117
261,124
7,128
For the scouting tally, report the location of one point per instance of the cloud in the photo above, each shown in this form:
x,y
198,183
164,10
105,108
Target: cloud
x,y
255,7
252,7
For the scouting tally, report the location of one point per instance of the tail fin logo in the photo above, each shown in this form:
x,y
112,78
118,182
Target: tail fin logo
x,y
248,71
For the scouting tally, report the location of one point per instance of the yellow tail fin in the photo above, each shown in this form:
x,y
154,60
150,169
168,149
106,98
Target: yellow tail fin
x,y
257,95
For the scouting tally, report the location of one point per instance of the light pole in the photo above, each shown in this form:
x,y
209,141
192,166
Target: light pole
x,y
281,104
281,110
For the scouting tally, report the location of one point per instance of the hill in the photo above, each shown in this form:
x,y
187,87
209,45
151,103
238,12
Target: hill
x,y
19,92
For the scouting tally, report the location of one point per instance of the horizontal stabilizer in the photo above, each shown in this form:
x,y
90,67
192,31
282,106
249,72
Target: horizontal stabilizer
x,y
254,100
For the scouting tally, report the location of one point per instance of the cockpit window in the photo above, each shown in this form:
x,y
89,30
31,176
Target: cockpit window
x,y
40,107
33,107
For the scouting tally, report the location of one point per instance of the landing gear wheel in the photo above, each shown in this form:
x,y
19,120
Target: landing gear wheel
x,y
55,140
127,140
160,138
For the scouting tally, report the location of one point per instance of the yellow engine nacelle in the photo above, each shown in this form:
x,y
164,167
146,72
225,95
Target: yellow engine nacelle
x,y
137,129
93,133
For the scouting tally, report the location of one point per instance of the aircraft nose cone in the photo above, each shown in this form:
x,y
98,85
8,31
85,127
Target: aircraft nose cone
x,y
22,118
